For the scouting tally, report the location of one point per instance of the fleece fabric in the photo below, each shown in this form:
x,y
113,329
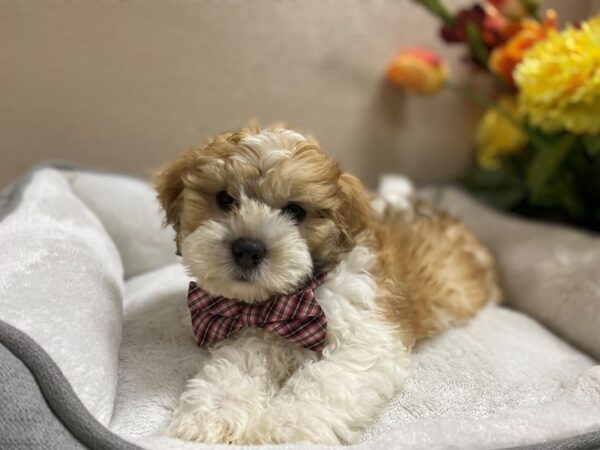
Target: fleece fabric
x,y
89,274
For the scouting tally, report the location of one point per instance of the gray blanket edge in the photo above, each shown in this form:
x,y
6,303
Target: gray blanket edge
x,y
57,418
51,416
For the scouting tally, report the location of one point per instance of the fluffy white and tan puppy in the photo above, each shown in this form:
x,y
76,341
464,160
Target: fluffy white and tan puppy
x,y
394,276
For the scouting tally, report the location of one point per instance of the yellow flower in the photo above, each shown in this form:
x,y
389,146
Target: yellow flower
x,y
559,81
497,136
419,70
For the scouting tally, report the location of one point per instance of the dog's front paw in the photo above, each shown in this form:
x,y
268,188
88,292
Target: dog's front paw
x,y
289,425
202,425
208,413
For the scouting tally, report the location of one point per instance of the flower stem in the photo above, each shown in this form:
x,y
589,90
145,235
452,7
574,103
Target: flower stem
x,y
545,163
481,100
438,8
475,41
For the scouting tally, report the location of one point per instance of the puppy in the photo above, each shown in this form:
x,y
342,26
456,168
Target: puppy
x,y
259,214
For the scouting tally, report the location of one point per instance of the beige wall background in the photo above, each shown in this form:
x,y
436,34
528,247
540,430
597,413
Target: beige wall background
x,y
128,84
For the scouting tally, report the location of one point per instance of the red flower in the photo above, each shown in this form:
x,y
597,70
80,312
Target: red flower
x,y
457,32
490,25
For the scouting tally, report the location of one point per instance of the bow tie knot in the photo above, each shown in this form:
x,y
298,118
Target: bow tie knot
x,y
296,316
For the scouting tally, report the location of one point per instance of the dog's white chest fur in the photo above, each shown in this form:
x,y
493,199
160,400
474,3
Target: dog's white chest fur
x,y
256,387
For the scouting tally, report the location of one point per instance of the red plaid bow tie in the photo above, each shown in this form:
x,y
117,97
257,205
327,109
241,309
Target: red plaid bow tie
x,y
297,316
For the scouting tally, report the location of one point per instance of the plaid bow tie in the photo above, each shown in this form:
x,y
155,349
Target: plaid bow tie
x,y
297,316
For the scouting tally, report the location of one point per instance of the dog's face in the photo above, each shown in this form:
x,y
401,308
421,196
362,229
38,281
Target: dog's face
x,y
257,213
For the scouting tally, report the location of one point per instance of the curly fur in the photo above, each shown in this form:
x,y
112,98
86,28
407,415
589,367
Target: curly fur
x,y
399,272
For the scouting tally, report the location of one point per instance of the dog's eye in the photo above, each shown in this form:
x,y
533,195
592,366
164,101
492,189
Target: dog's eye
x,y
225,201
296,212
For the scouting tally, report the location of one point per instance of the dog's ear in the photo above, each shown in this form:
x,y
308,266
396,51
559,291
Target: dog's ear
x,y
168,183
356,209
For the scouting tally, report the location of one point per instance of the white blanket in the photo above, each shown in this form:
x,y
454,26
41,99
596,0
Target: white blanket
x,y
88,272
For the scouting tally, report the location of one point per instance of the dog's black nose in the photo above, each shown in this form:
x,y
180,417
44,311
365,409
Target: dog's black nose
x,y
248,253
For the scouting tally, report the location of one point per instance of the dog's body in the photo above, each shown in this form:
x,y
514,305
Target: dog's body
x,y
396,274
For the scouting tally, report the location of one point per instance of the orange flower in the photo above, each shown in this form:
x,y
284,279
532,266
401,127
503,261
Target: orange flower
x,y
419,70
504,59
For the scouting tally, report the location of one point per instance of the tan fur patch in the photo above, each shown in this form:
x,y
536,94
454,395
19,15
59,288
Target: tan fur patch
x,y
432,272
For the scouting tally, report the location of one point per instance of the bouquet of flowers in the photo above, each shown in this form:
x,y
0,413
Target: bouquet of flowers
x,y
538,142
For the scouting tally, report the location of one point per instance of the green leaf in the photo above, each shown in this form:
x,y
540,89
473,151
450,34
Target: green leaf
x,y
561,194
438,8
531,6
480,51
501,189
545,163
592,144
